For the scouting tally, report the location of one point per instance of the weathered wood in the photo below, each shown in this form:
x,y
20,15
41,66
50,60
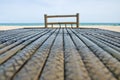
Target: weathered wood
x,y
61,23
77,20
54,68
17,43
61,16
45,18
16,49
37,62
25,54
74,65
59,54
93,64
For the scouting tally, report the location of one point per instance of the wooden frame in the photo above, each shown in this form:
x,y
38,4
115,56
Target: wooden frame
x,y
59,16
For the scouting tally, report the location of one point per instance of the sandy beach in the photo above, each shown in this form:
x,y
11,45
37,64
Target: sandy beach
x,y
112,28
16,27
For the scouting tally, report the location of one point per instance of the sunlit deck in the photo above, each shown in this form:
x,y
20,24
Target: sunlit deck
x,y
59,54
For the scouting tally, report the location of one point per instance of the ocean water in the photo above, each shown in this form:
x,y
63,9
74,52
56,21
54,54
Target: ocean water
x,y
21,24
42,24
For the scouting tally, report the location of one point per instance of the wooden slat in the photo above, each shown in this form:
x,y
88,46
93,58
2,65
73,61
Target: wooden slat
x,y
92,63
38,61
61,23
60,54
60,16
74,65
54,68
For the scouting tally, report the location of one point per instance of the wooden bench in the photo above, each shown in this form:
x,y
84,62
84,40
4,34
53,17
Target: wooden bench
x,y
59,23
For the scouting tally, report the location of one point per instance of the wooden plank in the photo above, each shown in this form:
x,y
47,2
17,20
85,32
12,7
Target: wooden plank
x,y
108,60
61,23
14,50
54,67
77,20
60,16
17,43
37,61
17,61
112,51
15,39
74,66
92,63
78,54
45,19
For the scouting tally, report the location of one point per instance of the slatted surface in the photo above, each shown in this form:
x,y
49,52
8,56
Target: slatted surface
x,y
59,54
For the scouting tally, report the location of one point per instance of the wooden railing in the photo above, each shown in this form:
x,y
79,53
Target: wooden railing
x,y
59,23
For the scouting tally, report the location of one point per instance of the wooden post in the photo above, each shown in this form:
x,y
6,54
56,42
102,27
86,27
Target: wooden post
x,y
65,25
45,19
52,25
71,25
77,20
54,16
60,25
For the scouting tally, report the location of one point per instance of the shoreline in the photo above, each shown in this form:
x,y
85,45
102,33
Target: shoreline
x,y
111,28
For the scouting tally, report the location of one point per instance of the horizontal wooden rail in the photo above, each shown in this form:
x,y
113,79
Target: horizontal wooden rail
x,y
61,23
60,16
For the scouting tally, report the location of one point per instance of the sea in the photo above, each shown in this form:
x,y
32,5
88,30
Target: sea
x,y
42,24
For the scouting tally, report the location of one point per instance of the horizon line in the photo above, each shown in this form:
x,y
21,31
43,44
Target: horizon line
x,y
43,22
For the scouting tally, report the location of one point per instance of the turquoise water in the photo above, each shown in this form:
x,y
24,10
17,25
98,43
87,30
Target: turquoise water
x,y
21,24
42,24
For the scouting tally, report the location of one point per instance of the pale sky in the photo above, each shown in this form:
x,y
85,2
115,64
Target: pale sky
x,y
32,11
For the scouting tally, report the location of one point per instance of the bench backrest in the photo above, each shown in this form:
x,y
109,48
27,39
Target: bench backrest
x,y
59,23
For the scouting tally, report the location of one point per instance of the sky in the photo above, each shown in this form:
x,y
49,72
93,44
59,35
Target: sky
x,y
32,11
